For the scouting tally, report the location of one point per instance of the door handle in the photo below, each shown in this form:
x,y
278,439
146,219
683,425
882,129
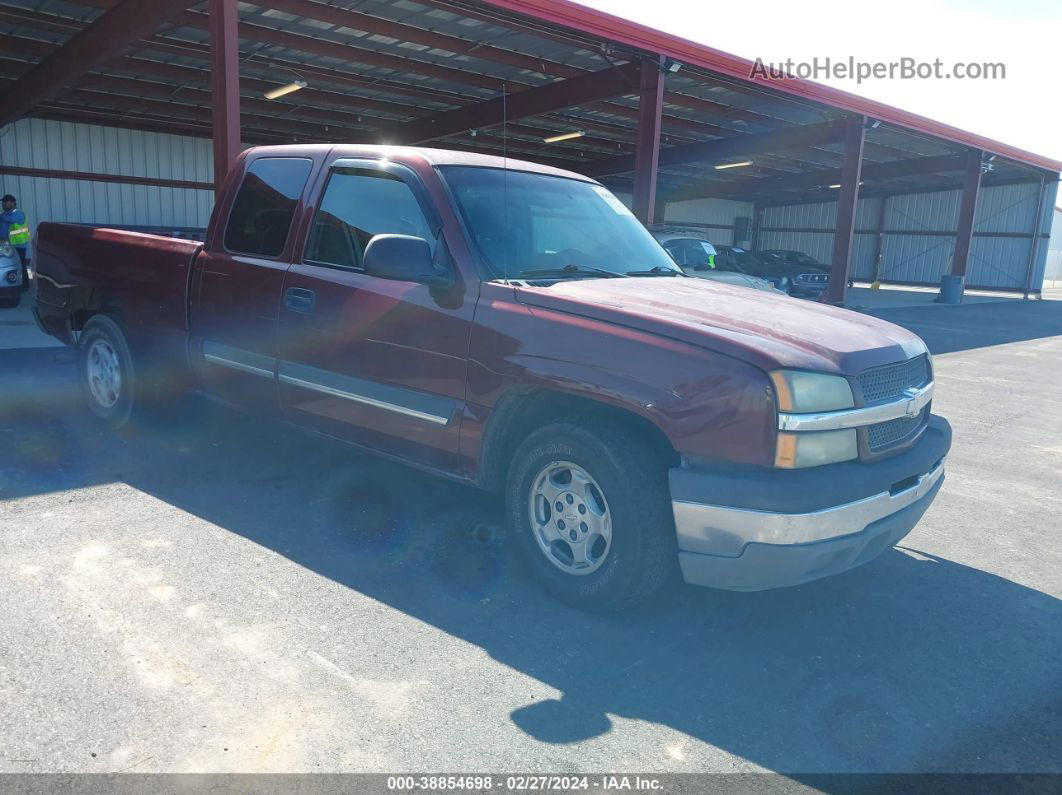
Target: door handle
x,y
298,299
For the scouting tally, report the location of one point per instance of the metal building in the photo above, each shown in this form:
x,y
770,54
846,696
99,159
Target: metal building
x,y
123,112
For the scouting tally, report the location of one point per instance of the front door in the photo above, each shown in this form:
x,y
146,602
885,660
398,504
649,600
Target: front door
x,y
377,362
238,284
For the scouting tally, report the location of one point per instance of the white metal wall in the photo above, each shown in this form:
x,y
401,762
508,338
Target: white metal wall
x,y
995,260
912,248
719,214
65,146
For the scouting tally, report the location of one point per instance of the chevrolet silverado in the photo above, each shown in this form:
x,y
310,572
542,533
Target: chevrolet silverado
x,y
513,326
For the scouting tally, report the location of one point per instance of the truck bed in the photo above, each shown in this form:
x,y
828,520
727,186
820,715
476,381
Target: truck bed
x,y
143,279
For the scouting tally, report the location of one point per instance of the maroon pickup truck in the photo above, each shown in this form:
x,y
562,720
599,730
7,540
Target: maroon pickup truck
x,y
513,326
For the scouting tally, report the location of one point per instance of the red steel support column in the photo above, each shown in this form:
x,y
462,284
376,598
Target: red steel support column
x,y
879,243
848,195
971,190
647,151
1034,244
225,85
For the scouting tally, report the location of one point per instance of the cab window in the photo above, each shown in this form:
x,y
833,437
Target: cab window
x,y
358,204
261,214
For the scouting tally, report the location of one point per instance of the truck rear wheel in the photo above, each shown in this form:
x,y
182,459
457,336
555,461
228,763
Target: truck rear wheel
x,y
589,509
105,369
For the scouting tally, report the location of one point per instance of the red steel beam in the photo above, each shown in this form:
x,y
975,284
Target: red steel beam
x,y
647,151
357,20
98,100
611,82
893,169
848,195
225,86
121,179
735,146
99,42
971,193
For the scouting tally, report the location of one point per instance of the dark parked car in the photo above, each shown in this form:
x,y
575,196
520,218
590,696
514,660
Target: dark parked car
x,y
807,277
751,263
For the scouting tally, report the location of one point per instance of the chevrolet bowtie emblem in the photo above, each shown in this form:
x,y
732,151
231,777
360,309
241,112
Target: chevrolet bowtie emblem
x,y
912,408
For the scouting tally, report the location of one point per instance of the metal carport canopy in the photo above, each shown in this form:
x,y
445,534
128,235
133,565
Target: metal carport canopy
x,y
599,23
499,76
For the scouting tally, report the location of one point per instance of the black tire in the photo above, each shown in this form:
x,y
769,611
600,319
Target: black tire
x,y
633,480
10,298
105,332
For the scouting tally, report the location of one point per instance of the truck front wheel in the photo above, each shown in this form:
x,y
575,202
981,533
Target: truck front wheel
x,y
589,509
106,372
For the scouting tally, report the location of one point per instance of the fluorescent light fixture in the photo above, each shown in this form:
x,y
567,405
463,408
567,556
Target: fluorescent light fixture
x,y
552,139
838,185
283,90
740,164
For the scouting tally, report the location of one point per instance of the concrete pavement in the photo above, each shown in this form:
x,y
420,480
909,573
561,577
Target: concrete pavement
x,y
205,593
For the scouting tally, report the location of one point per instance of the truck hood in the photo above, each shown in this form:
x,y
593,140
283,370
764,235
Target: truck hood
x,y
729,277
763,328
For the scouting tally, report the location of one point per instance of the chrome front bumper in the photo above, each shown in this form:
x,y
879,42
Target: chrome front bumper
x,y
742,549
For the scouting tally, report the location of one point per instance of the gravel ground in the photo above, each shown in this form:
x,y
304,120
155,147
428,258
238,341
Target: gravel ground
x,y
208,593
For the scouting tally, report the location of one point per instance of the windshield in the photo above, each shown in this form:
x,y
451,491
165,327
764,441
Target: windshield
x,y
801,258
523,223
739,261
748,260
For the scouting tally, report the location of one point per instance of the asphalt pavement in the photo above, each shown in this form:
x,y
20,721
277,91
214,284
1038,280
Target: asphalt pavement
x,y
209,592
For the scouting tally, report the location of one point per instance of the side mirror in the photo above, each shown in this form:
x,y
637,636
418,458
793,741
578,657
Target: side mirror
x,y
402,258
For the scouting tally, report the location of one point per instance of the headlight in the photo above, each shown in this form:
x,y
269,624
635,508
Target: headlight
x,y
7,250
797,450
800,392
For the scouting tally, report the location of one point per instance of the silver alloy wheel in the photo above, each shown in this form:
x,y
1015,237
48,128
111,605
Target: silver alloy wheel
x,y
570,518
104,373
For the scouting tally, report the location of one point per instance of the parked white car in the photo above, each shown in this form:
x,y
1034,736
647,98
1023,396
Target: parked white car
x,y
10,277
695,255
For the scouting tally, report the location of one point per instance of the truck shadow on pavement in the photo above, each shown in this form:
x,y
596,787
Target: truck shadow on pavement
x,y
910,663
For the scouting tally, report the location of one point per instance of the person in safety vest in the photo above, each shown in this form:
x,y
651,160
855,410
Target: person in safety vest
x,y
15,230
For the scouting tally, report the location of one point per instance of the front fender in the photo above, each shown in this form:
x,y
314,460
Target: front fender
x,y
707,404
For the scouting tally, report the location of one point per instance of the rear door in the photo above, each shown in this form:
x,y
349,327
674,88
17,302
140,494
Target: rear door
x,y
237,292
374,361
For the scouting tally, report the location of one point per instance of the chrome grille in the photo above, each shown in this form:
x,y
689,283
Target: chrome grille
x,y
886,433
890,380
813,278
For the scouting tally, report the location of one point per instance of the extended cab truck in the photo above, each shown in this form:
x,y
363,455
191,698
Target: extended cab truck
x,y
513,326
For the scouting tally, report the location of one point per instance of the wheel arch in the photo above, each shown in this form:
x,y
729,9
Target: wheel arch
x,y
520,411
87,302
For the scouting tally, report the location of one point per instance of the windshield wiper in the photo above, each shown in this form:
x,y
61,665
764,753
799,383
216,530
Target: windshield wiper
x,y
571,270
657,270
